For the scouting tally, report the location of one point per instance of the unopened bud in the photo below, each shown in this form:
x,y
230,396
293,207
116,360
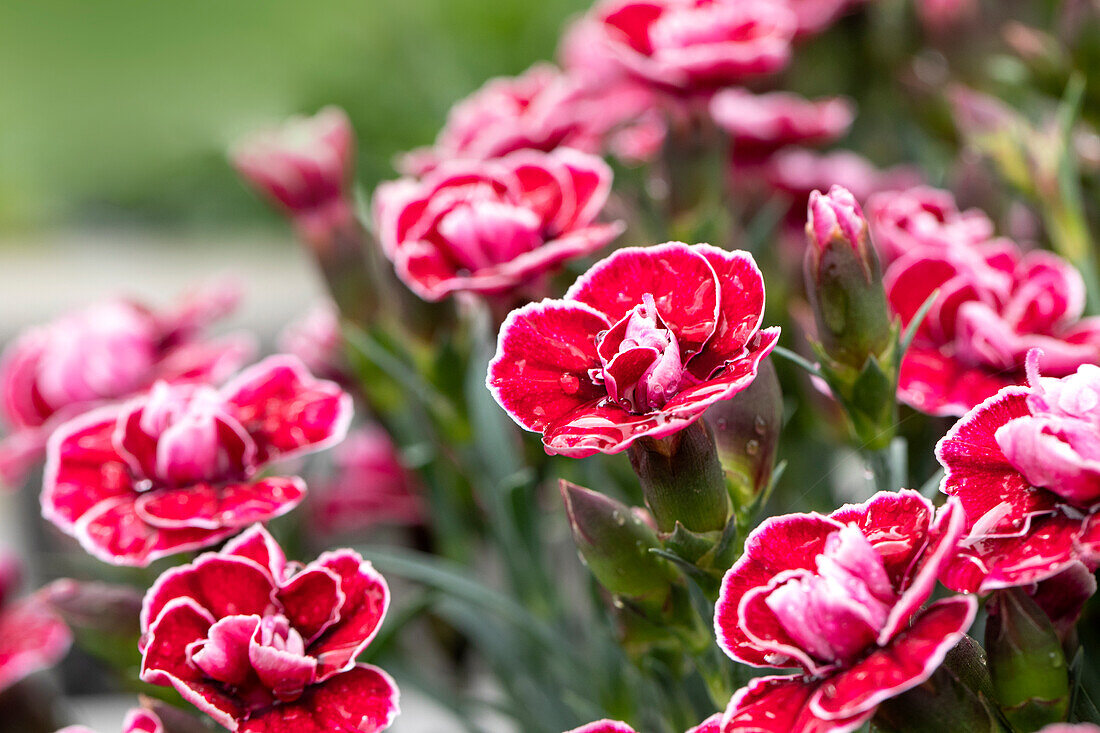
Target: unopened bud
x,y
615,544
1030,677
844,280
746,434
682,480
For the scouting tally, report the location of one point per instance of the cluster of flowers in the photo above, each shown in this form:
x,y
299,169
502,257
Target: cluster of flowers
x,y
153,448
150,452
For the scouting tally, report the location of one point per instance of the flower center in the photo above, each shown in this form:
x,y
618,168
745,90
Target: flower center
x,y
262,659
642,368
183,435
835,613
481,234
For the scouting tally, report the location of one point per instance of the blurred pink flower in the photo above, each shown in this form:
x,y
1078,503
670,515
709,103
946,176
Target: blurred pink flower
x,y
841,597
492,227
761,124
906,220
176,469
305,167
32,637
688,46
710,725
994,305
263,645
941,16
1025,465
641,345
535,110
370,486
105,352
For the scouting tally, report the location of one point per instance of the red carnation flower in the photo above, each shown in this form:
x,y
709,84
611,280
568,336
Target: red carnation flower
x,y
175,469
1025,465
266,646
841,597
994,304
641,345
105,352
490,227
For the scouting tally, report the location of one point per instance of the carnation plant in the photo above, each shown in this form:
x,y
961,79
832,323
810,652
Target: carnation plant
x,y
665,392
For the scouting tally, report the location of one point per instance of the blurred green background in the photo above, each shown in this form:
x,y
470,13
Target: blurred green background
x,y
120,110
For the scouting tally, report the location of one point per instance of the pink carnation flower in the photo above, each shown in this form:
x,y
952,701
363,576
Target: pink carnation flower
x,y
137,721
920,217
687,46
493,226
107,351
761,124
1025,464
32,637
994,304
370,487
305,167
841,597
262,645
176,469
532,111
641,345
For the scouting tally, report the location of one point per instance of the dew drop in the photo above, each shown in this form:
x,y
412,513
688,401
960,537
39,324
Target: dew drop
x,y
752,447
570,384
723,423
618,517
761,425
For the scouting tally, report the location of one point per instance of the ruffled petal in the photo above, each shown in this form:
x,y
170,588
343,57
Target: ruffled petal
x,y
362,700
541,368
780,705
366,599
286,410
681,281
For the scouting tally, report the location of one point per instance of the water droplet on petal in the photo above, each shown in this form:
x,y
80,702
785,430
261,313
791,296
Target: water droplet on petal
x,y
752,447
570,384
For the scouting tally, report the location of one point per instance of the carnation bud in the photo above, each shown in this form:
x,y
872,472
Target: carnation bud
x,y
682,480
615,543
844,280
858,338
94,606
306,168
746,433
1030,676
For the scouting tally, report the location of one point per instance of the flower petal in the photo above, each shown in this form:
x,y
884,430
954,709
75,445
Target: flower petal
x,y
979,474
218,507
257,544
544,353
362,700
286,410
83,468
164,647
312,601
788,542
32,638
908,660
681,281
222,585
779,705
366,598
740,310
